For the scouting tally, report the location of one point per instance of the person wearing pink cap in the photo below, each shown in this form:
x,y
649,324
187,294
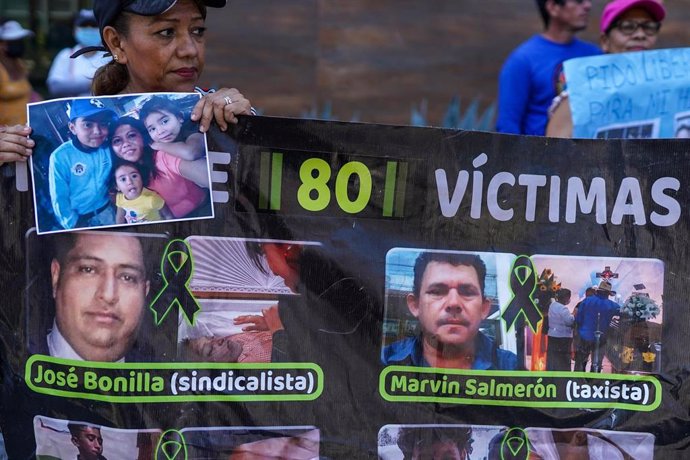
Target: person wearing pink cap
x,y
528,80
626,25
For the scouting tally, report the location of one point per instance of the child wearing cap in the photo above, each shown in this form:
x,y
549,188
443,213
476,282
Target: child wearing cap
x,y
136,203
79,169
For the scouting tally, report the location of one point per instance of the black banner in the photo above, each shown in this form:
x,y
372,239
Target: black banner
x,y
365,291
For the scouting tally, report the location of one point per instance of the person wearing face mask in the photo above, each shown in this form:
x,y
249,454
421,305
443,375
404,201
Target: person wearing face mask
x,y
72,77
15,89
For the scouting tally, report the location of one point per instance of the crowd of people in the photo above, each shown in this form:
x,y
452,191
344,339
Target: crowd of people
x,y
532,95
584,329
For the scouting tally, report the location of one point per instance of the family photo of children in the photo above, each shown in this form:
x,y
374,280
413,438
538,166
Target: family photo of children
x,y
123,160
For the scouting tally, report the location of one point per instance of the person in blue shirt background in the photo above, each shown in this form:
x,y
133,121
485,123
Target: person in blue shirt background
x,y
448,301
79,170
594,315
530,76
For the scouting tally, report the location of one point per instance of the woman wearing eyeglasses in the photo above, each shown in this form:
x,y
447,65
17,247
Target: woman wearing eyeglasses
x,y
626,25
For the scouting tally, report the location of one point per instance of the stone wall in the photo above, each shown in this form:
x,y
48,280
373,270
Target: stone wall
x,y
374,59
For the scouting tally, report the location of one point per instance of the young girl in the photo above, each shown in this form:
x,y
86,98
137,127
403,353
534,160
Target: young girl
x,y
166,126
136,203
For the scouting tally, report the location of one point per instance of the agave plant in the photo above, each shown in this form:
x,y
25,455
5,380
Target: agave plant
x,y
454,118
325,113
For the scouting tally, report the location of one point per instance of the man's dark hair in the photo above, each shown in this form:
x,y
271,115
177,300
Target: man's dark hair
x,y
420,437
63,243
544,13
453,258
75,429
563,294
139,167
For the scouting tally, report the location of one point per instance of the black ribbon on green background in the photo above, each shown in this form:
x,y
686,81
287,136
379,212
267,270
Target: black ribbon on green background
x,y
177,268
523,282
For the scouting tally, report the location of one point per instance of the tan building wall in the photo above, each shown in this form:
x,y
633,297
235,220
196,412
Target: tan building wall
x,y
375,59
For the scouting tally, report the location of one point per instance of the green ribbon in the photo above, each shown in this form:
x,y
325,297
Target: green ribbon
x,y
171,446
515,445
523,282
177,267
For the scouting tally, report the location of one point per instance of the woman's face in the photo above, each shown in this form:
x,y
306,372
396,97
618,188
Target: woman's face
x,y
618,42
128,143
164,52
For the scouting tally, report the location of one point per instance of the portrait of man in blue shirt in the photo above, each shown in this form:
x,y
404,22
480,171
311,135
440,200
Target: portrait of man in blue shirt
x,y
449,302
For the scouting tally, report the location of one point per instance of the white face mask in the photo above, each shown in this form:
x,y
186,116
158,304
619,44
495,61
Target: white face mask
x,y
87,36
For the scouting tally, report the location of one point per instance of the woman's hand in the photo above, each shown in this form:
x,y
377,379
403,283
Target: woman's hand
x,y
221,106
269,320
15,144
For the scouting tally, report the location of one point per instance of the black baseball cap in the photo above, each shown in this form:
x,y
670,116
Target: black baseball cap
x,y
106,11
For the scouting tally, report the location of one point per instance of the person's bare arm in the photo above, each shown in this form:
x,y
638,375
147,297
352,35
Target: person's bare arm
x,y
191,149
268,320
120,216
196,171
561,121
165,213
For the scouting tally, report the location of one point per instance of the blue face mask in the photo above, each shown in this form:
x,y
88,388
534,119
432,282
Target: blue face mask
x,y
87,36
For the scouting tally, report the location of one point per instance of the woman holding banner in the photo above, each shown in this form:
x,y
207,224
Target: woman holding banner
x,y
155,47
626,25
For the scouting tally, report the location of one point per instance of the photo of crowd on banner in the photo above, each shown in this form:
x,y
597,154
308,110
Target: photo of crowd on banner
x,y
63,439
463,442
113,161
600,315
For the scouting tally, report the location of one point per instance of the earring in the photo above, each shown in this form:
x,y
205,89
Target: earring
x,y
115,57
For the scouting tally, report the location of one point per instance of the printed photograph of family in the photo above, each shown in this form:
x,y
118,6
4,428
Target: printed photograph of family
x,y
123,160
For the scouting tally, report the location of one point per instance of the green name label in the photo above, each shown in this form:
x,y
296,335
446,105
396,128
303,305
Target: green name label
x,y
173,382
575,390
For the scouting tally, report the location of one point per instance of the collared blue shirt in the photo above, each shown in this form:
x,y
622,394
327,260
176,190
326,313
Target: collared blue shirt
x,y
408,352
595,314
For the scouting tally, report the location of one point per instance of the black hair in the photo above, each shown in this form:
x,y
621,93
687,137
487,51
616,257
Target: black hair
x,y
146,165
112,78
119,162
410,438
546,19
452,258
160,104
63,243
563,294
75,429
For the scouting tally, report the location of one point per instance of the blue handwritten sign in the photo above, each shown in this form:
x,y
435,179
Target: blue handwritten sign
x,y
643,94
